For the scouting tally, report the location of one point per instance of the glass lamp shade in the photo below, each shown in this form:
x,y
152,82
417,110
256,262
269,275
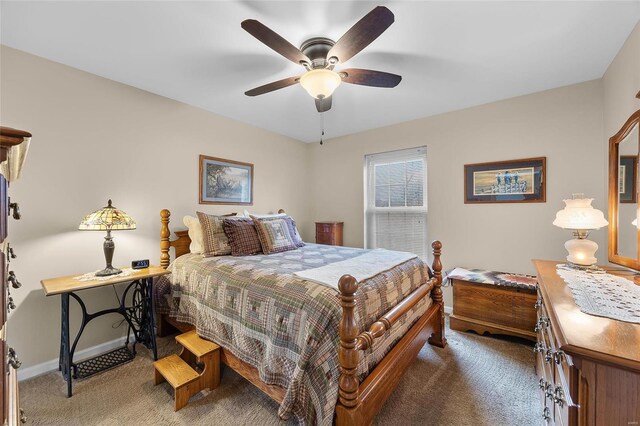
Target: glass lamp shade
x,y
320,83
578,214
107,218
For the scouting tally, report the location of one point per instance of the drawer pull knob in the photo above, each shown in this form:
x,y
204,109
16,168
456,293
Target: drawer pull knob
x,y
542,384
23,417
10,304
548,355
13,360
538,304
11,254
16,210
558,356
546,414
13,280
558,397
539,347
549,391
543,322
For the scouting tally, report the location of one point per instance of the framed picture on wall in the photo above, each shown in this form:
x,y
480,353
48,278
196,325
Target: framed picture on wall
x,y
514,181
225,181
628,170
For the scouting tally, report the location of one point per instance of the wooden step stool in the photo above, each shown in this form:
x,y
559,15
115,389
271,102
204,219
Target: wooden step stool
x,y
180,372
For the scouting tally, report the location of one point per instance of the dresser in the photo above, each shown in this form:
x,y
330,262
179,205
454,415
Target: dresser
x,y
329,233
13,149
588,367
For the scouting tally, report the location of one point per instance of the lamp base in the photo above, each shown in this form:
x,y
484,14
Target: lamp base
x,y
109,270
581,252
594,269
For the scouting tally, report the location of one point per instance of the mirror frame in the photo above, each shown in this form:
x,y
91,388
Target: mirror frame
x,y
614,151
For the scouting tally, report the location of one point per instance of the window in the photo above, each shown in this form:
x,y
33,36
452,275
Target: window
x,y
396,200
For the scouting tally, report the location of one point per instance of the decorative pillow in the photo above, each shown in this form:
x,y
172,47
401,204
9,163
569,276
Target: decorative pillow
x,y
195,233
215,241
293,229
243,237
274,235
291,224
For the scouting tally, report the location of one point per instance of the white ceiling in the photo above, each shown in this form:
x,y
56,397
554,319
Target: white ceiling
x,y
451,55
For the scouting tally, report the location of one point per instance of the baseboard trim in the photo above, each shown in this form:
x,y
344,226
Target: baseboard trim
x,y
47,366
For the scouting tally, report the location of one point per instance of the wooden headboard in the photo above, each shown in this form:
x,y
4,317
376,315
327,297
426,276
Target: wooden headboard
x,y
180,244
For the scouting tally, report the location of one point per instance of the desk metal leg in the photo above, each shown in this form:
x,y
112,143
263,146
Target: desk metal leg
x,y
140,319
65,354
150,321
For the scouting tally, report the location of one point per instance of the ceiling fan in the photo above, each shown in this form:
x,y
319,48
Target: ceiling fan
x,y
319,56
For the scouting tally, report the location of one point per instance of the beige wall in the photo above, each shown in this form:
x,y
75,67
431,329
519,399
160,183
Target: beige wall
x,y
621,83
96,139
564,125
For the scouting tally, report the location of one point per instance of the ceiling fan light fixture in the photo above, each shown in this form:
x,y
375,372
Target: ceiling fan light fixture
x,y
320,83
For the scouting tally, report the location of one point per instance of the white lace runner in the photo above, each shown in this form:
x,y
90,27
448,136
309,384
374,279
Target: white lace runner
x,y
602,294
91,276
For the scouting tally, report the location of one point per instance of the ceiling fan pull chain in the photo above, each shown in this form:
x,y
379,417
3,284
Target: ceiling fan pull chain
x,y
322,122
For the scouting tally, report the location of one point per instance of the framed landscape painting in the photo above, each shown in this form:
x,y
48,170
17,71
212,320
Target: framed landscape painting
x,y
225,181
628,170
515,181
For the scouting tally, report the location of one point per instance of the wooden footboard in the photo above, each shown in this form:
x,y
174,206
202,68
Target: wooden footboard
x,y
358,403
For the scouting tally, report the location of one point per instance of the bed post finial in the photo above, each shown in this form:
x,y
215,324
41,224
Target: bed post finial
x,y
165,245
436,293
437,337
347,354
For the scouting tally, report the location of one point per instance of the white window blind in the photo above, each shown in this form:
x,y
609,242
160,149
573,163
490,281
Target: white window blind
x,y
396,200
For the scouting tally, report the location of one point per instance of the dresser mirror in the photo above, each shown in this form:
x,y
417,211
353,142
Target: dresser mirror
x,y
624,233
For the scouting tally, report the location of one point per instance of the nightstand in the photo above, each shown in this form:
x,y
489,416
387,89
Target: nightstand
x,y
139,317
329,233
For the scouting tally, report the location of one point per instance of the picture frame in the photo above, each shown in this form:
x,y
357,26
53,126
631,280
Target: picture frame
x,y
223,181
628,178
512,181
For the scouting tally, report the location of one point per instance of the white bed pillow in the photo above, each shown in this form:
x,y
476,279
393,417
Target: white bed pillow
x,y
195,233
262,216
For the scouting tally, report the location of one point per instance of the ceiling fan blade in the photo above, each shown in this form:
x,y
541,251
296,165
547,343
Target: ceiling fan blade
x,y
323,105
362,34
274,41
270,87
370,77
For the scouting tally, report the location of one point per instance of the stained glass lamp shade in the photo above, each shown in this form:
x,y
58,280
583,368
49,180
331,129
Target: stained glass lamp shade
x,y
107,219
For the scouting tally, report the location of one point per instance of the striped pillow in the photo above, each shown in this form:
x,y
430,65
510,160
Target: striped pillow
x,y
243,237
274,235
215,241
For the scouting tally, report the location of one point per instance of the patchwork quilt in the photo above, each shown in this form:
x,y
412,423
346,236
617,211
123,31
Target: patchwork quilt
x,y
283,325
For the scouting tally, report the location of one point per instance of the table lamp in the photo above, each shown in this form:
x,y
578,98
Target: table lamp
x,y
579,216
107,219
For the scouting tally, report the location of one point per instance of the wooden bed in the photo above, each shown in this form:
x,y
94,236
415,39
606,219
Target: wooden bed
x,y
358,403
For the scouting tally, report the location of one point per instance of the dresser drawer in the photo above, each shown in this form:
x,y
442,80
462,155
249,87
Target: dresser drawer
x,y
4,369
329,233
4,208
14,415
324,228
4,285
